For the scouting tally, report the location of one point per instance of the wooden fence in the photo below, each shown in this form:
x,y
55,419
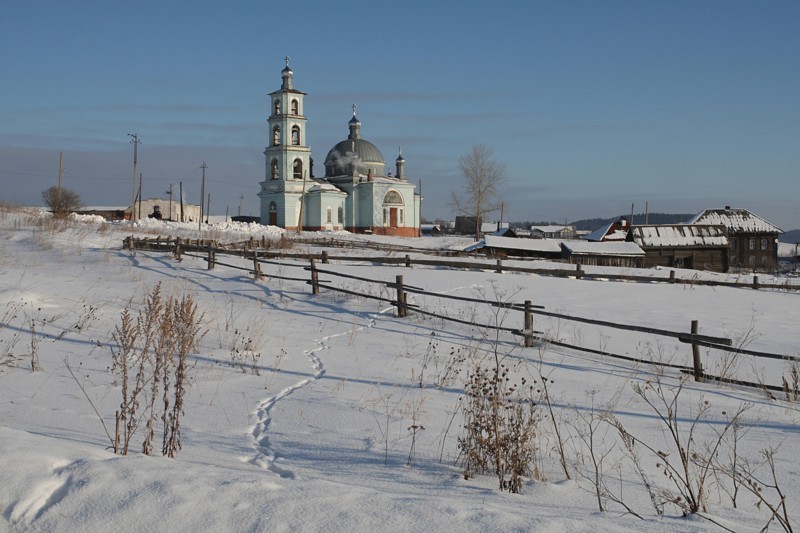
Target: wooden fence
x,y
403,308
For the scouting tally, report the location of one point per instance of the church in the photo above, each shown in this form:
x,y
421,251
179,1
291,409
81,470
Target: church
x,y
356,194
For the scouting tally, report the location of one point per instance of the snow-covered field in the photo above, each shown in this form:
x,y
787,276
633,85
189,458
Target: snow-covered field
x,y
318,437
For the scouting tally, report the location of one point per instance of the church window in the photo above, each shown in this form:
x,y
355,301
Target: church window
x,y
295,108
340,215
330,215
400,216
277,108
273,207
296,135
393,198
276,135
274,169
297,169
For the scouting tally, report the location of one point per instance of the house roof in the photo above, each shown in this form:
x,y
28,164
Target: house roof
x,y
628,249
510,243
551,229
736,220
678,235
605,234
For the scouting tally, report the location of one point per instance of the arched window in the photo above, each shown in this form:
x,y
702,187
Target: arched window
x,y
274,169
393,198
340,215
295,108
273,207
296,135
297,169
277,107
276,135
329,215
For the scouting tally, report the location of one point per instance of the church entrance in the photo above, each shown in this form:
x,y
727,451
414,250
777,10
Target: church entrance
x,y
392,217
273,214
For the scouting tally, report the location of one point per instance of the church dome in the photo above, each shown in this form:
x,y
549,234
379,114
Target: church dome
x,y
354,151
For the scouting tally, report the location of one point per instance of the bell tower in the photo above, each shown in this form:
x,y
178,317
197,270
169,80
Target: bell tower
x,y
287,156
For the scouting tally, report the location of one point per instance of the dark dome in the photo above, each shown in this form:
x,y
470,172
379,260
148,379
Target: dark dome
x,y
340,158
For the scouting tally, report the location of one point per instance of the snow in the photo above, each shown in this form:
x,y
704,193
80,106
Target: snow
x,y
319,439
512,243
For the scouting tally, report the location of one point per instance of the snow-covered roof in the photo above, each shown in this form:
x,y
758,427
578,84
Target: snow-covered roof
x,y
510,243
630,249
551,229
736,220
321,186
604,234
679,235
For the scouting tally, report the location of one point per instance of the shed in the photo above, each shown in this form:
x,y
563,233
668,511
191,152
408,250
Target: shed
x,y
616,254
495,246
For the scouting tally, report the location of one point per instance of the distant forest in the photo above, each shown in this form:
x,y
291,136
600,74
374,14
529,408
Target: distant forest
x,y
591,224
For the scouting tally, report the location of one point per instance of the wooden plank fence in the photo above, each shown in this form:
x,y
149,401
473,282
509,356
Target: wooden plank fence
x,y
403,308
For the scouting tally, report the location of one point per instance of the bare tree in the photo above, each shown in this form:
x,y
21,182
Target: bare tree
x,y
61,201
483,176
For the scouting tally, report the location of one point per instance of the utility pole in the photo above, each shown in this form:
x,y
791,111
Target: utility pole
x,y
180,185
202,196
136,142
208,208
169,192
60,170
140,195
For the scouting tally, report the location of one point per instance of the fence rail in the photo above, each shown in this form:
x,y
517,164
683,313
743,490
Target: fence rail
x,y
403,307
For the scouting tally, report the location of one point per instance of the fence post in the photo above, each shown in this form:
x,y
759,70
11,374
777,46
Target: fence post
x,y
256,266
578,271
264,241
528,333
499,267
672,276
408,261
178,248
401,297
314,277
324,257
210,258
698,366
130,242
755,282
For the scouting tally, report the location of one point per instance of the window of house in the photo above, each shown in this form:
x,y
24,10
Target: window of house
x,y
297,169
752,260
295,107
340,215
764,261
296,135
752,244
330,215
274,169
733,244
733,260
765,244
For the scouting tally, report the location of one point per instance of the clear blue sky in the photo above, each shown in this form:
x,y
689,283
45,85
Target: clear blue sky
x,y
592,105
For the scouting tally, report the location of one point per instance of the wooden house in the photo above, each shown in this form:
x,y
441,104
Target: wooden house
x,y
698,246
752,241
